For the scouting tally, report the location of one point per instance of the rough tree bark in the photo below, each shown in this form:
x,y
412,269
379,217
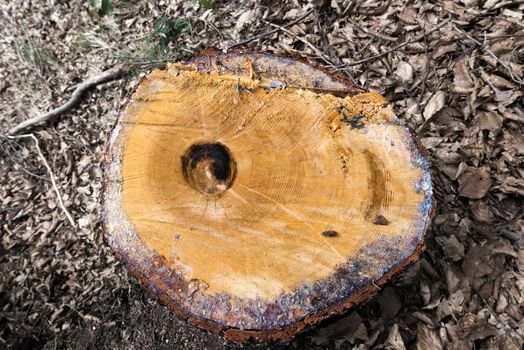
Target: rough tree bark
x,y
257,195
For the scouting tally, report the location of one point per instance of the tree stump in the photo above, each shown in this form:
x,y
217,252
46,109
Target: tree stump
x,y
256,195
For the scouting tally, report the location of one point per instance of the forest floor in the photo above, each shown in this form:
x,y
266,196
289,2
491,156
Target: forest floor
x,y
453,72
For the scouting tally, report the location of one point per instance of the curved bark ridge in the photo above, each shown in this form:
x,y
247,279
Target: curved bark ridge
x,y
255,192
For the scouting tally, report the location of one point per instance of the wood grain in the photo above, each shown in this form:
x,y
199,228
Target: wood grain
x,y
242,206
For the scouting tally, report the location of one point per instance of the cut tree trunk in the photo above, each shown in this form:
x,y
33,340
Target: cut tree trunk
x,y
256,195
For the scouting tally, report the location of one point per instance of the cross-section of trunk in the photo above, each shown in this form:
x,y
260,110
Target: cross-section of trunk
x,y
257,195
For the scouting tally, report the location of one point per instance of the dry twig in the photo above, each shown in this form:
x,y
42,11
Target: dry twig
x,y
441,81
415,39
371,32
497,317
304,41
319,52
105,76
514,76
256,37
51,175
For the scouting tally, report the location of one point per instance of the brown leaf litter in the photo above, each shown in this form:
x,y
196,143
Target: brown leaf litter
x,y
452,71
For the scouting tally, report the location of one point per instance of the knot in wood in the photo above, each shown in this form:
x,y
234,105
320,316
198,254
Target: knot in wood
x,y
209,168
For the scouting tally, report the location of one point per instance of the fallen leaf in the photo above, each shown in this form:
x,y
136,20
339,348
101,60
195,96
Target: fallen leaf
x,y
348,329
404,72
488,120
477,263
427,338
245,18
481,212
474,182
507,97
482,331
513,14
453,248
389,303
435,104
425,291
423,317
291,14
451,306
513,185
394,340
462,81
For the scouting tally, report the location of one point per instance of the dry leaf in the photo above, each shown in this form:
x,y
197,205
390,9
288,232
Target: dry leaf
x,y
389,303
427,338
462,81
474,182
482,212
404,72
480,125
435,104
348,329
394,340
476,262
291,14
488,120
513,14
453,249
482,331
244,19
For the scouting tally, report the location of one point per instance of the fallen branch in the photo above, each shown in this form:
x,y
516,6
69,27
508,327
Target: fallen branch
x,y
304,41
415,39
441,81
497,317
51,175
319,52
513,75
256,37
80,89
371,32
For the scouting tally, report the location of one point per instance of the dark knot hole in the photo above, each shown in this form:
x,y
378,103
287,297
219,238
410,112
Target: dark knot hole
x,y
209,167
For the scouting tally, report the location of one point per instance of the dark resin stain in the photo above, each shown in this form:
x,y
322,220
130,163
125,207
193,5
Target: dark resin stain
x,y
378,186
330,233
380,220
